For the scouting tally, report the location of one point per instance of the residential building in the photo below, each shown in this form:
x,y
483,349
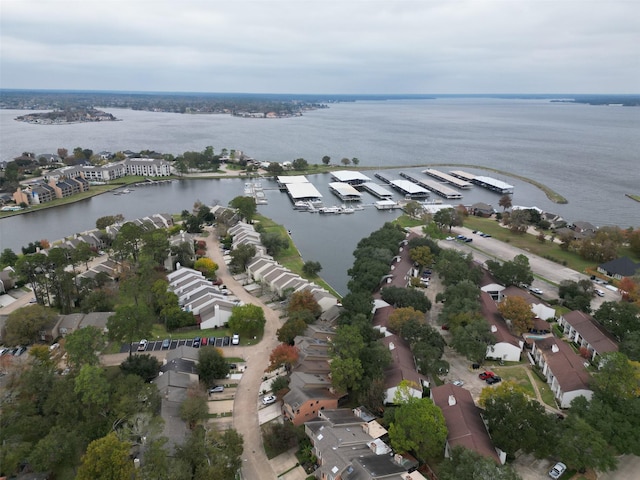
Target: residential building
x,y
620,268
585,332
7,281
564,370
465,426
402,370
507,347
309,394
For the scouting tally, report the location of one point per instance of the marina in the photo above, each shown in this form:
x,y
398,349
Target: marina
x,y
377,190
255,190
409,189
435,187
345,192
350,177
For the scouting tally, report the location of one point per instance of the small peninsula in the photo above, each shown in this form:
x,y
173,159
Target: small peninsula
x,y
71,115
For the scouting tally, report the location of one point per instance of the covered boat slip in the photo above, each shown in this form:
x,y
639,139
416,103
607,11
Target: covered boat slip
x,y
409,189
285,180
303,191
344,191
445,177
350,177
435,187
377,190
489,183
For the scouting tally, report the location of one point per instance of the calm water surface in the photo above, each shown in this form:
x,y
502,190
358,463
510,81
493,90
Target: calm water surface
x,y
590,155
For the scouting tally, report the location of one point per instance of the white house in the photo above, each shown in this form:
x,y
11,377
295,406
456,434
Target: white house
x,y
507,347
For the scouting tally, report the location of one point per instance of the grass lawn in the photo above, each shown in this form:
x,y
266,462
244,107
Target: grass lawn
x,y
545,392
529,243
518,376
160,332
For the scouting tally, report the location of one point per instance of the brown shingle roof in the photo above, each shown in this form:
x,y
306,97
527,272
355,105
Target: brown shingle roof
x,y
588,329
567,366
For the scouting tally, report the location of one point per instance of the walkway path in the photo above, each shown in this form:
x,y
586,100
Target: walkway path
x,y
255,465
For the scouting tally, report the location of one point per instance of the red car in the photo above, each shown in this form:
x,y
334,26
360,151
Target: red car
x,y
485,375
203,342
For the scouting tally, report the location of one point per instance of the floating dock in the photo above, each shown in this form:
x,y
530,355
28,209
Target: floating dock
x,y
255,190
462,175
382,178
435,187
445,177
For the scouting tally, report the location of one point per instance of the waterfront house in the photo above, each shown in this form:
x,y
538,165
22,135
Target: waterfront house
x,y
481,209
465,427
619,268
585,332
7,281
564,370
585,228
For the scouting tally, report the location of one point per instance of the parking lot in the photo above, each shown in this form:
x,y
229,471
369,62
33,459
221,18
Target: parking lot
x,y
156,345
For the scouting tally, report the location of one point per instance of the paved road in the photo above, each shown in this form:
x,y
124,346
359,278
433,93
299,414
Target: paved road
x,y
547,274
255,465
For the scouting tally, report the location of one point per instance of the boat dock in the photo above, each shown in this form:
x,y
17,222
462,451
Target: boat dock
x,y
435,187
376,190
445,177
255,190
382,178
489,183
409,189
345,192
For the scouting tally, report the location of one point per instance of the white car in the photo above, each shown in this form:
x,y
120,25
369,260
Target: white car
x,y
235,340
450,238
537,291
458,383
142,346
268,400
557,470
600,293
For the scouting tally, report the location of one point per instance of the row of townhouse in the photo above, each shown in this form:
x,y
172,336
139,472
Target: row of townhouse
x,y
51,189
144,167
265,270
63,325
349,445
207,302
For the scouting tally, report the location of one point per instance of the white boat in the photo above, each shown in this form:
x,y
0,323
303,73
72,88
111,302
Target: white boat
x,y
329,210
301,205
345,209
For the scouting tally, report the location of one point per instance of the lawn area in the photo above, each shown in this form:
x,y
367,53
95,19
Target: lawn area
x,y
290,258
160,332
529,243
517,375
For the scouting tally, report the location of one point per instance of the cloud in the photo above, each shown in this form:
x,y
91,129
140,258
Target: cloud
x,y
297,46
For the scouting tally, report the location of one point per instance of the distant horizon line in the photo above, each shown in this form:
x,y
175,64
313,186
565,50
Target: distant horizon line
x,y
329,95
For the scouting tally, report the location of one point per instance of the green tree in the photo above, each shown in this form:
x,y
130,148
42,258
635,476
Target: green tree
x,y
400,316
355,161
23,325
345,161
290,330
130,323
211,365
82,346
106,459
303,301
326,160
472,340
311,268
422,255
246,206
300,164
515,272
145,366
346,374
619,318
241,256
274,242
418,427
617,378
194,408
247,320
8,258
156,245
104,222
92,386
448,217
128,242
581,446
467,464
505,202
275,169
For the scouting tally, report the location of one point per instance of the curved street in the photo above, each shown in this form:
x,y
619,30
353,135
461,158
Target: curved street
x,y
245,407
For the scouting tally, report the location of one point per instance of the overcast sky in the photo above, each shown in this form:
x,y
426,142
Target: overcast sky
x,y
330,46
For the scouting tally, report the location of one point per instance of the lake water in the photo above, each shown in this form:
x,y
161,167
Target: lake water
x,y
589,154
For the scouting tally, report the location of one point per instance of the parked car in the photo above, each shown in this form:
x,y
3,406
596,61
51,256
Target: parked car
x,y
468,240
494,379
226,341
557,470
537,291
204,341
19,351
486,374
458,383
142,346
33,300
450,238
219,342
212,341
600,293
232,366
268,400
166,343
236,339
196,342
216,389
